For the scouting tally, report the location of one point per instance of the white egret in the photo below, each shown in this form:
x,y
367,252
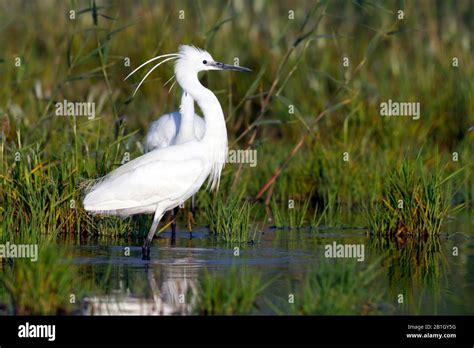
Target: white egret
x,y
177,128
162,179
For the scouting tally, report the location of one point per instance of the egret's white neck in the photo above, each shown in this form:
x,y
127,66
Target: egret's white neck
x,y
215,135
207,101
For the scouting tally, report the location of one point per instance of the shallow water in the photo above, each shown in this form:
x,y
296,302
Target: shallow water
x,y
444,285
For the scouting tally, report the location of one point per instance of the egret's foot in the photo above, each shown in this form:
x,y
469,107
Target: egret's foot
x,y
146,251
190,222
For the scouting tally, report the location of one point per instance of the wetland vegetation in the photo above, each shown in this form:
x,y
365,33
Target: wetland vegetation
x,y
329,168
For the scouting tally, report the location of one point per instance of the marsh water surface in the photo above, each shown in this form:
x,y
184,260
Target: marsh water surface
x,y
435,277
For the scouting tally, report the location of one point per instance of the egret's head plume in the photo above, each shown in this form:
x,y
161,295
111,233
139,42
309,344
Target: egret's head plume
x,y
193,59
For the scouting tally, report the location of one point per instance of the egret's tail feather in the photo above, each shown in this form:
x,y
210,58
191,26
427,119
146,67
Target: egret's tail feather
x,y
87,185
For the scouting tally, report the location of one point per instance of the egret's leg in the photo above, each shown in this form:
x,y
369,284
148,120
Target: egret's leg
x,y
191,221
151,233
174,212
173,225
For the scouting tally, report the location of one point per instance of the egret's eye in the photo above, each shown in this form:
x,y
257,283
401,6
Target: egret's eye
x,y
204,62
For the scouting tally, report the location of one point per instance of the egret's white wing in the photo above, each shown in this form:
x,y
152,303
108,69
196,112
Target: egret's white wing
x,y
150,183
173,153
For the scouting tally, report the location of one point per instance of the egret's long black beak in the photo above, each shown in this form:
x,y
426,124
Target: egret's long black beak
x,y
223,66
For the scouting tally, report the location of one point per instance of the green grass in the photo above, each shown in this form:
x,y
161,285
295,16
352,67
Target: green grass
x,y
414,204
57,153
44,198
43,287
233,294
290,214
230,218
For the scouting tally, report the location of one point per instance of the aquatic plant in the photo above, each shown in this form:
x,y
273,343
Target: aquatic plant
x,y
413,204
291,214
229,218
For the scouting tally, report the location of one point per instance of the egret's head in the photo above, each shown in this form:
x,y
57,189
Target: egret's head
x,y
189,61
193,59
